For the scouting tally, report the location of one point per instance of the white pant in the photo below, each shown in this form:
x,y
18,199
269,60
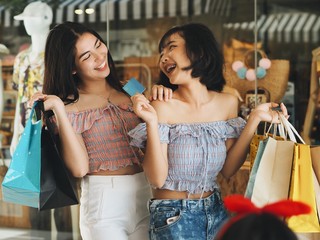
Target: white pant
x,y
114,207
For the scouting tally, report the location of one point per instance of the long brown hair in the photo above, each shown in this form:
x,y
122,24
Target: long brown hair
x,y
60,62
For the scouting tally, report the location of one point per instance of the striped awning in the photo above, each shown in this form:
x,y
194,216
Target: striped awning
x,y
122,10
283,27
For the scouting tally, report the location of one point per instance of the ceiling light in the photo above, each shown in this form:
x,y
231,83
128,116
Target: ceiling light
x,y
89,10
78,11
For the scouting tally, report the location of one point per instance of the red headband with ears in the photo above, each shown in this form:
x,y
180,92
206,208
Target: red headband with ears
x,y
243,207
283,208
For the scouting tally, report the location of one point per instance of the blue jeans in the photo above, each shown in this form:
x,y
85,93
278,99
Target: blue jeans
x,y
186,219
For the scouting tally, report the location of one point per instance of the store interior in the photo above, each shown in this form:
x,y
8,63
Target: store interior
x,y
283,31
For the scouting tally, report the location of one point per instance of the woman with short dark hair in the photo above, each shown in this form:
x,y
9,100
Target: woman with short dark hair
x,y
193,136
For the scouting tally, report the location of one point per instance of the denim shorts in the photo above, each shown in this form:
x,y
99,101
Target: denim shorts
x,y
187,218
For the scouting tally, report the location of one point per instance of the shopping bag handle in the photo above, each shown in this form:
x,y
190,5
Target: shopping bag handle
x,y
32,113
39,109
292,132
278,130
266,132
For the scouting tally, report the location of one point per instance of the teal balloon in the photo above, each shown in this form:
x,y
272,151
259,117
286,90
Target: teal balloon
x,y
241,73
261,72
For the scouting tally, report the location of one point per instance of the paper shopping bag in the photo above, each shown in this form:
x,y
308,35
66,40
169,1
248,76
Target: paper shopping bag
x,y
257,138
21,184
303,189
315,157
58,187
256,163
55,186
273,173
254,147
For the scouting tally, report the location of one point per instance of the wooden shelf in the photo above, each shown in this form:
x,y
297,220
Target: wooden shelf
x,y
8,117
9,105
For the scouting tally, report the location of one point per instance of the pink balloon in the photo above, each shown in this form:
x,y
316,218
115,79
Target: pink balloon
x,y
265,63
251,75
237,65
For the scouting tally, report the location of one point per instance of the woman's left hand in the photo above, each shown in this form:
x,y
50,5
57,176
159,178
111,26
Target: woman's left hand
x,y
267,113
159,92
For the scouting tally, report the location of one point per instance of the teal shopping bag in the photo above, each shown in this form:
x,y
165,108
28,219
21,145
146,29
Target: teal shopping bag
x,y
21,184
253,173
37,176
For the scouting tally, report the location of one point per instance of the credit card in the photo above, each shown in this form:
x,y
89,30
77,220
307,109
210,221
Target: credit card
x,y
133,86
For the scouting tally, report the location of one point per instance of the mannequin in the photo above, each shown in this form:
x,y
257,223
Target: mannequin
x,y
28,72
29,64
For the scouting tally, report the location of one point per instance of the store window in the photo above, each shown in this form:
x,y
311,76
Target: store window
x,y
286,32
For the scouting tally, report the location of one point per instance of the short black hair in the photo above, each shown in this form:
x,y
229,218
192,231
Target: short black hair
x,y
261,226
204,52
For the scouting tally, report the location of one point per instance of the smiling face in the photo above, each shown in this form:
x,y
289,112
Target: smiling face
x,y
91,58
173,59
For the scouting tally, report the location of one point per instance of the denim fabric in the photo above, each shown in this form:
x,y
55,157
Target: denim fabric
x,y
188,219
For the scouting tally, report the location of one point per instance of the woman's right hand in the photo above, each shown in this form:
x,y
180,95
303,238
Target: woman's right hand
x,y
161,93
51,102
266,113
143,108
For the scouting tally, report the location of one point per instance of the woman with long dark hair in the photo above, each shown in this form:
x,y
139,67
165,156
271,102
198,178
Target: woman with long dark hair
x,y
93,115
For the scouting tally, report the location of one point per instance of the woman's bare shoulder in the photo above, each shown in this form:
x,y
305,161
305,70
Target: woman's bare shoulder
x,y
230,98
164,109
229,102
164,105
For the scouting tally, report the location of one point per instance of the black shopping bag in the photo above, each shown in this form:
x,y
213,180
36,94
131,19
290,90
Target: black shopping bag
x,y
58,188
37,176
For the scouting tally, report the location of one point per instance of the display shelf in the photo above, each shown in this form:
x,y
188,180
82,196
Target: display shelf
x,y
9,105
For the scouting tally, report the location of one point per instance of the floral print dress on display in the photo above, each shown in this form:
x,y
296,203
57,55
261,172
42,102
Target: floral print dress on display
x,y
27,79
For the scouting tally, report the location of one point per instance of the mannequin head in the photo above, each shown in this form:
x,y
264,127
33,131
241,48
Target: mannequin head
x,y
37,17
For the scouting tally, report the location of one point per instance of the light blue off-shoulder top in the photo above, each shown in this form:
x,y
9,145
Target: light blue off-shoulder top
x,y
196,151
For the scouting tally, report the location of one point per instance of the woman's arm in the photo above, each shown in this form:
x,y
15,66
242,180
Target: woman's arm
x,y
73,148
237,149
155,163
